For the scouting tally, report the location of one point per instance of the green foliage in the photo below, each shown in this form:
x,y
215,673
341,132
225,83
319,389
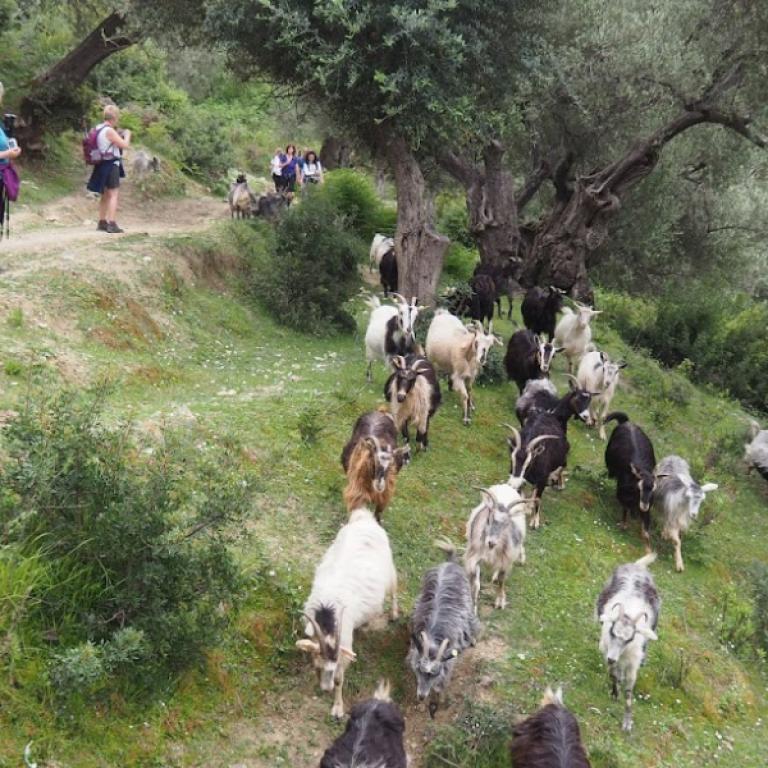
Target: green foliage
x,y
201,143
309,424
493,372
453,219
480,738
708,334
13,368
352,194
460,262
308,274
760,593
15,317
137,542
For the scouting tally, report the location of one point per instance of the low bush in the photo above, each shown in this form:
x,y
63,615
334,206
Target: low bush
x,y
716,338
136,543
460,262
305,278
760,593
453,219
352,194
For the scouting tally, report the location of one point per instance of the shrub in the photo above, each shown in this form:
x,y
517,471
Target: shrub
x,y
352,194
460,262
201,143
453,219
310,272
760,592
136,542
493,372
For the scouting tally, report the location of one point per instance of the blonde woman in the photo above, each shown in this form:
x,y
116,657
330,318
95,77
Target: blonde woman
x,y
8,151
105,179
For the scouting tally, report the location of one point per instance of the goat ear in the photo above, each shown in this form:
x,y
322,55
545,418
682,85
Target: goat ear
x,y
308,646
646,631
416,640
708,487
616,612
637,474
622,364
557,350
348,653
536,340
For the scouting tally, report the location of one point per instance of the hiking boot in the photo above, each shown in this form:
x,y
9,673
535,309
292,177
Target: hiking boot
x,y
102,225
113,229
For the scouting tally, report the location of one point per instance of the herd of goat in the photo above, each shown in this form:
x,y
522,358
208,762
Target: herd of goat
x,y
357,572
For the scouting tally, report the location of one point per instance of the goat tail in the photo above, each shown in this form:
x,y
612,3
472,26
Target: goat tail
x,y
646,560
382,691
448,547
619,416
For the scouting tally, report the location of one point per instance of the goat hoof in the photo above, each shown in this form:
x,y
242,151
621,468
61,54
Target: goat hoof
x,y
467,422
680,568
626,726
432,709
337,712
500,603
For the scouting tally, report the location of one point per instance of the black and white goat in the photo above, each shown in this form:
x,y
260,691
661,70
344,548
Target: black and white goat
x,y
628,611
528,357
390,330
549,738
630,459
373,736
538,455
678,497
756,450
372,460
350,584
413,394
600,376
540,396
460,353
540,308
380,245
443,625
496,537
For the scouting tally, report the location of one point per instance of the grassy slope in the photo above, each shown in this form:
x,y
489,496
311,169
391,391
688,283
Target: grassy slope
x,y
245,377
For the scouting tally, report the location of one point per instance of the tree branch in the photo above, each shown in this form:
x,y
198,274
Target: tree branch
x,y
531,185
459,167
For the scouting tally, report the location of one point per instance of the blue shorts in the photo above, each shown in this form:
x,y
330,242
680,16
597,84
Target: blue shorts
x,y
106,175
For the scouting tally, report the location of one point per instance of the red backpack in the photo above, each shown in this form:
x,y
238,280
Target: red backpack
x,y
91,152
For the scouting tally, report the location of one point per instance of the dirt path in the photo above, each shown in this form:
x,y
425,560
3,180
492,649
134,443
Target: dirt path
x,y
64,231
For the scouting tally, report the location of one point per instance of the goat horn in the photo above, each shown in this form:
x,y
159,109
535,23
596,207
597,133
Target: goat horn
x,y
640,616
318,632
539,439
572,378
338,629
519,502
485,492
399,298
424,644
442,648
516,434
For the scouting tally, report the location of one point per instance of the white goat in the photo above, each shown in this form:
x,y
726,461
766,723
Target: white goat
x,y
380,245
459,352
679,497
756,451
239,198
598,375
350,584
390,330
496,536
573,332
628,610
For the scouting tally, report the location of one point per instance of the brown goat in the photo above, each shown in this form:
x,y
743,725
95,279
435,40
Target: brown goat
x,y
372,460
549,738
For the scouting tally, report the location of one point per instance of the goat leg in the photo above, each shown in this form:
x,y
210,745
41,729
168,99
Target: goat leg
x,y
501,597
675,537
337,711
626,725
614,681
434,703
645,531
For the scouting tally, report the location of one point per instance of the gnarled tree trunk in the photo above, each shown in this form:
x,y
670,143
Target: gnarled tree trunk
x,y
54,93
419,249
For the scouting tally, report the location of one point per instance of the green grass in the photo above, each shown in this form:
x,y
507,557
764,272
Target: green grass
x,y
292,400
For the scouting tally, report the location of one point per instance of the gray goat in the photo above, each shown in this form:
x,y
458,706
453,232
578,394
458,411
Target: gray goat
x,y
496,536
756,450
444,624
628,610
678,496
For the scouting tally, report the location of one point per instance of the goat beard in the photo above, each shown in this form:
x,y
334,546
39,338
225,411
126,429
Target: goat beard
x,y
359,491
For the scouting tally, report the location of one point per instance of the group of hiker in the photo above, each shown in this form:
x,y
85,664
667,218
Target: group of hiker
x,y
292,170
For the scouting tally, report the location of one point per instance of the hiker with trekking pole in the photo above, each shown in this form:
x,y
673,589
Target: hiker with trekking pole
x,y
9,179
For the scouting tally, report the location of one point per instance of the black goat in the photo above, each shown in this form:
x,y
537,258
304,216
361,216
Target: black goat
x,y
549,738
528,357
538,454
539,309
540,396
482,298
388,272
630,459
413,393
504,280
374,735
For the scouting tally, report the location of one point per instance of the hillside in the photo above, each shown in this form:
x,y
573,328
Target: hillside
x,y
161,314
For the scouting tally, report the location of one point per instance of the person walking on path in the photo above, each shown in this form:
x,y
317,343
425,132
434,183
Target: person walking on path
x,y
289,167
312,172
105,179
277,175
7,151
